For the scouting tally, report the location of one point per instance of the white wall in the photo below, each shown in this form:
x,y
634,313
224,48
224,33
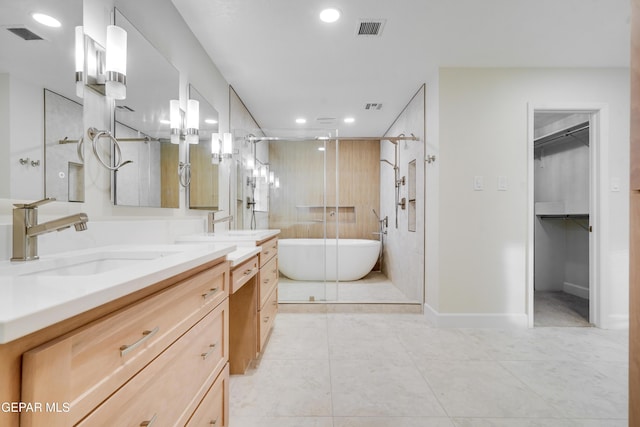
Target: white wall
x,y
482,252
5,135
26,131
404,249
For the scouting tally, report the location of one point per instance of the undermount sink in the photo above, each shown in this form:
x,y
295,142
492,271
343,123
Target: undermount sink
x,y
81,264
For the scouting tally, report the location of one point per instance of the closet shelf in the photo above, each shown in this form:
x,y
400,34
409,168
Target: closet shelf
x,y
566,135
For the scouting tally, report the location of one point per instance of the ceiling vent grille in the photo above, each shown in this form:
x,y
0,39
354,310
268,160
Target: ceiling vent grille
x,y
370,27
25,33
373,106
326,120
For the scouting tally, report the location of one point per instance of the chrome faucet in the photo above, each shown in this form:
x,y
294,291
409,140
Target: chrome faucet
x,y
26,228
211,221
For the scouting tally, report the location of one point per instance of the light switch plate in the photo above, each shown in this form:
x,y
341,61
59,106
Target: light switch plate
x,y
478,183
503,184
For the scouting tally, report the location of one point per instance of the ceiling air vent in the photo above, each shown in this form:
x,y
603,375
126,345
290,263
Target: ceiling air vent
x,y
326,120
24,33
373,106
125,108
370,27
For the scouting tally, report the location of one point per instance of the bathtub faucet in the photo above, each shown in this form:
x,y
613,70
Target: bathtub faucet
x,y
26,228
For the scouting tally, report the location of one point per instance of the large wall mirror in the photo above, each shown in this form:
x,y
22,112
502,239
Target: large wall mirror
x,y
205,181
142,127
37,73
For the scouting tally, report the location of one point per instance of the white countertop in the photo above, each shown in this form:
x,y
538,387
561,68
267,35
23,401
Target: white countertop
x,y
242,254
239,237
30,302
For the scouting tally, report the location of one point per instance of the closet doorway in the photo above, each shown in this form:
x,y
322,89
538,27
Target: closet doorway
x,y
564,208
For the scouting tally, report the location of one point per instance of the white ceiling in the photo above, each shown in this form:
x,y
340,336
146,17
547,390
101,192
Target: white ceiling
x,y
285,63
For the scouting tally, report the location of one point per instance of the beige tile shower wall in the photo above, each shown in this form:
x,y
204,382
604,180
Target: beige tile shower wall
x,y
404,254
296,207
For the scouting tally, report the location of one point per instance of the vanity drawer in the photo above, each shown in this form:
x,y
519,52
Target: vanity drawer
x,y
267,316
214,408
87,365
243,272
268,280
269,250
169,389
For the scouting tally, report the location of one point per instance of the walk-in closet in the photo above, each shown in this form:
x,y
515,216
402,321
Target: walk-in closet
x,y
561,221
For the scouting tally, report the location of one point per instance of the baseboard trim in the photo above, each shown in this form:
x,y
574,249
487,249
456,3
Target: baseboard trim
x,y
617,321
475,320
577,290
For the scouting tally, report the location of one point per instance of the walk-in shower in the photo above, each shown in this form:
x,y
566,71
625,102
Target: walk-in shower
x,y
323,193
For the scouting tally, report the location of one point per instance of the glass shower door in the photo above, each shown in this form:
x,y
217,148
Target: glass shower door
x,y
298,206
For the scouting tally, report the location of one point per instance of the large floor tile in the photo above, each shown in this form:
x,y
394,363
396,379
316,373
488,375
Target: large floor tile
x,y
586,344
281,422
391,422
286,388
299,337
482,389
538,422
378,388
577,389
516,344
440,344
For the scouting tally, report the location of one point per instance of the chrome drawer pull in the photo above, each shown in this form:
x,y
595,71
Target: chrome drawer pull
x,y
266,280
213,422
145,336
151,421
248,272
211,292
208,353
266,252
266,319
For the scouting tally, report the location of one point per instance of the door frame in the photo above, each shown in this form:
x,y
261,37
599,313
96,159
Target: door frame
x,y
598,200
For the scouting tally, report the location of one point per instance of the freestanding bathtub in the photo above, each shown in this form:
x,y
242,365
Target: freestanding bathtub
x,y
310,259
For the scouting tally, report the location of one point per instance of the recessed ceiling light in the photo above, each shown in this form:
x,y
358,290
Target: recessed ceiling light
x,y
47,20
211,121
165,121
320,148
330,15
349,120
300,120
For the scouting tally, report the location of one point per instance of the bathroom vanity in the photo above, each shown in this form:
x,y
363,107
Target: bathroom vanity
x,y
152,346
254,290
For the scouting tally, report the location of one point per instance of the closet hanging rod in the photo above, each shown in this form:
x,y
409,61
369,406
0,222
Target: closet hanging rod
x,y
548,140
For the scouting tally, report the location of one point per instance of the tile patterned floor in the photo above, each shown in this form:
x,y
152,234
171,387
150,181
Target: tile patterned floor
x,y
394,370
374,287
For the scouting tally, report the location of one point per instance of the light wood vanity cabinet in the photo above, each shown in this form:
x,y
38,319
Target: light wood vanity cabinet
x,y
267,290
253,305
160,358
